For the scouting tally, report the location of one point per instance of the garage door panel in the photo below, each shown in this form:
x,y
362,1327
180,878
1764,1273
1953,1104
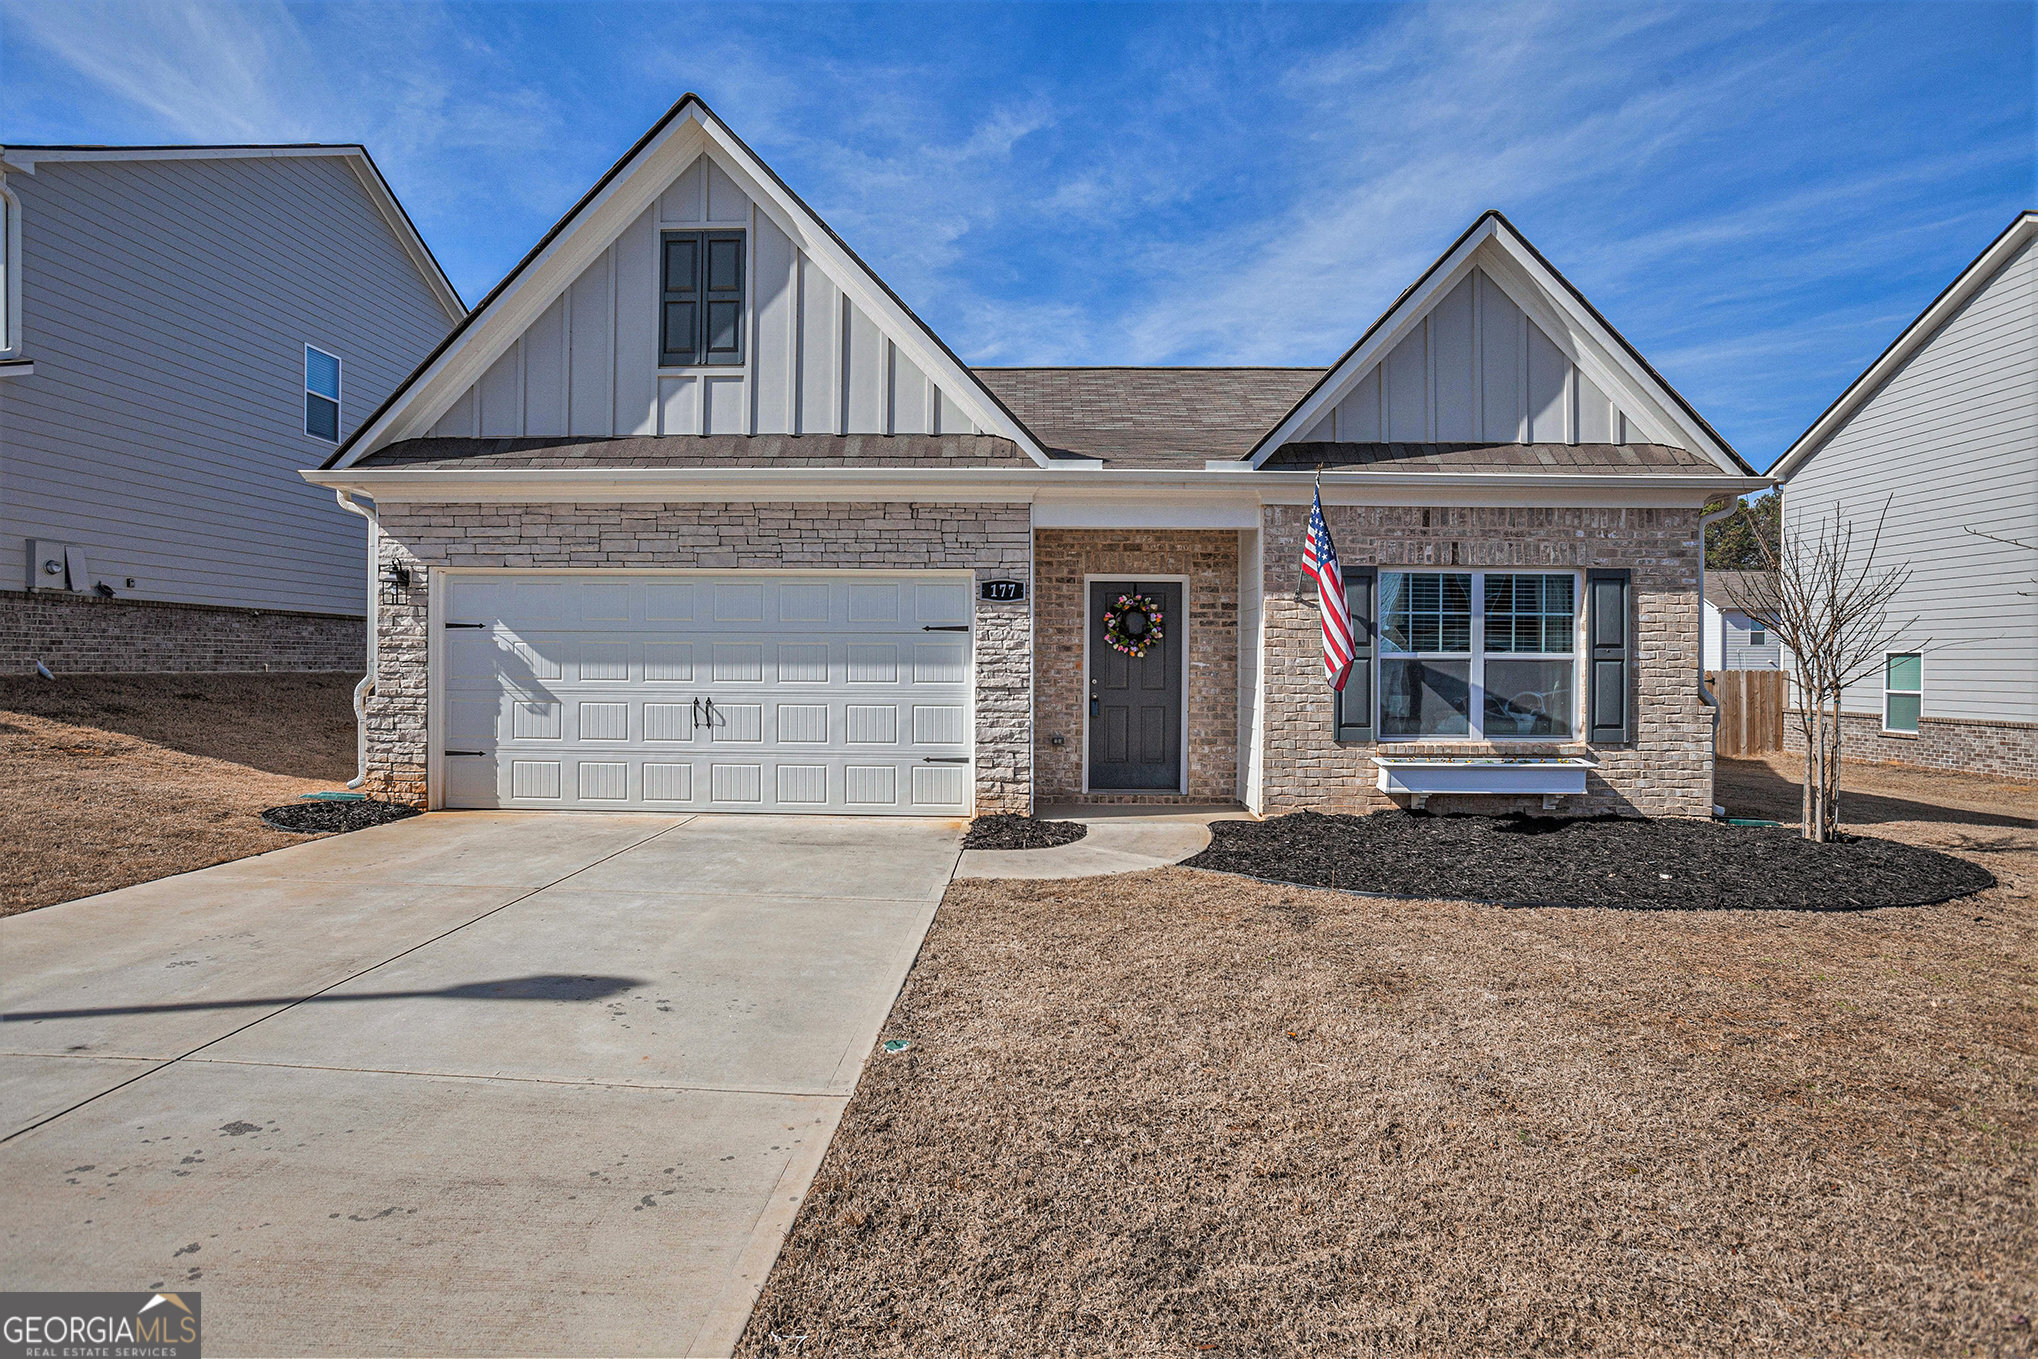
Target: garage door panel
x,y
826,694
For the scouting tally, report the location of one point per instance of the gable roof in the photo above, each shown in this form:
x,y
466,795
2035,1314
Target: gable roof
x,y
1150,417
26,158
1970,281
1496,238
686,129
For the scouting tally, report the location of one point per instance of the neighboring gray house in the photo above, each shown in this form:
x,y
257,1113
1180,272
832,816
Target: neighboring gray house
x,y
184,327
1734,641
1943,428
693,512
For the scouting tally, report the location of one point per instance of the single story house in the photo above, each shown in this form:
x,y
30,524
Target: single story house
x,y
1935,448
692,511
182,329
1734,641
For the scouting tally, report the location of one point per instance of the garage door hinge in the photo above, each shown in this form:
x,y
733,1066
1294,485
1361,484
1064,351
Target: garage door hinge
x,y
466,625
944,759
467,752
945,627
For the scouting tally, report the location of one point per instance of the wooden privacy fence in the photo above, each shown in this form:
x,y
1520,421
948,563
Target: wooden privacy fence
x,y
1751,711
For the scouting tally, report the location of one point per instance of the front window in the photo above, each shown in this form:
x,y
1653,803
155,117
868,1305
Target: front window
x,y
1478,654
1903,691
321,394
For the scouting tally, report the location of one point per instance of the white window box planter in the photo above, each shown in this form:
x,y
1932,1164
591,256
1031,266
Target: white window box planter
x,y
1547,776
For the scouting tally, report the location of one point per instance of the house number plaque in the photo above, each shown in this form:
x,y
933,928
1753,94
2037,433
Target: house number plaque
x,y
1001,591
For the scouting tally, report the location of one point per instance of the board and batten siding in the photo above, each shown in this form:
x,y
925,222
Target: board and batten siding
x,y
167,304
1476,369
1950,441
813,361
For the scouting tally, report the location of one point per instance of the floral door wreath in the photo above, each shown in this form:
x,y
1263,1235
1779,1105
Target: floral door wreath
x,y
1133,625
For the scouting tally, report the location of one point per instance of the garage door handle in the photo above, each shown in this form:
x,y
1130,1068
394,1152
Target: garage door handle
x,y
944,759
945,627
482,753
466,625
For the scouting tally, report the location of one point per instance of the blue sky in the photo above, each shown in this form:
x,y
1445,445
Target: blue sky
x,y
1759,197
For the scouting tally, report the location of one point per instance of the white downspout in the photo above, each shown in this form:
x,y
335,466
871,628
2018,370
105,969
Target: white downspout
x,y
367,684
1705,695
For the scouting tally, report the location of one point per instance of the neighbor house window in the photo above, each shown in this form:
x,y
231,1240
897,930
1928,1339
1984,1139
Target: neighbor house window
x,y
321,394
700,298
1757,636
1480,654
1903,691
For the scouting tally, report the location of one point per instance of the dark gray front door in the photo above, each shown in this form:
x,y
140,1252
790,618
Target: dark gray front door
x,y
1136,705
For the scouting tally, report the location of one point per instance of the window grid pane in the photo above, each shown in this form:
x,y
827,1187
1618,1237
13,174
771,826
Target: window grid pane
x,y
1530,613
1906,674
321,374
1426,613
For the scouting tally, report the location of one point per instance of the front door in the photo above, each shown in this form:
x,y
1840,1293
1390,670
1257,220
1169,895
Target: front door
x,y
1136,703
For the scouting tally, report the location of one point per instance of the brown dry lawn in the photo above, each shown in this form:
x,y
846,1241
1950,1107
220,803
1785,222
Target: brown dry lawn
x,y
1181,1113
107,780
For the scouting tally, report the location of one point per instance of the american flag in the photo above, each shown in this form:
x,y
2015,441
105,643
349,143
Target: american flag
x,y
1319,559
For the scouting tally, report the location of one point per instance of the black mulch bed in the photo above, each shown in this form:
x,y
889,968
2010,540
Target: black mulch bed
x,y
320,818
1006,831
1533,861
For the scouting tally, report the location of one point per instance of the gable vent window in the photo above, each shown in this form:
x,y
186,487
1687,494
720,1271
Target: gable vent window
x,y
701,299
321,394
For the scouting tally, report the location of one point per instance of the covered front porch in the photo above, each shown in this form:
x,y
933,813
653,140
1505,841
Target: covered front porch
x,y
1151,721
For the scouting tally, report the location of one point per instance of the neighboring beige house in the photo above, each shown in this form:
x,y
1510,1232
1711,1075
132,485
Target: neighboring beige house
x,y
693,512
1937,444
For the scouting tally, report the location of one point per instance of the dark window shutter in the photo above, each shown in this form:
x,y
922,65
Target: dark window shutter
x,y
679,323
1354,702
723,341
1609,651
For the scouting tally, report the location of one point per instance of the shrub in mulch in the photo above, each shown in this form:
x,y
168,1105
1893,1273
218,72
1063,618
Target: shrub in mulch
x,y
1007,831
1669,864
325,818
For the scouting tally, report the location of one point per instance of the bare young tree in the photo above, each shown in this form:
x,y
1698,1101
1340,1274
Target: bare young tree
x,y
1828,603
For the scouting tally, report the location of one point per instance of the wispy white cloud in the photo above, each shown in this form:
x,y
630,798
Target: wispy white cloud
x,y
1753,194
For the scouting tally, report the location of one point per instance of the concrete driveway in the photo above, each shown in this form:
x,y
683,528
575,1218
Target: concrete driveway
x,y
473,1083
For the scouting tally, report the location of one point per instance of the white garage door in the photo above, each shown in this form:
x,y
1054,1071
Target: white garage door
x,y
745,692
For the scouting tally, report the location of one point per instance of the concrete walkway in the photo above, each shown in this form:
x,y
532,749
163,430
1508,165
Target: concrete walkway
x,y
1121,840
474,1083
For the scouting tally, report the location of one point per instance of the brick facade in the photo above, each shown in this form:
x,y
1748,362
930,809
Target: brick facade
x,y
992,540
76,634
1061,560
2001,749
1665,771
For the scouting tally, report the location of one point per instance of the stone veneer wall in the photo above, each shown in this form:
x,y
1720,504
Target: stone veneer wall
x,y
2000,749
1209,558
991,539
1666,770
83,634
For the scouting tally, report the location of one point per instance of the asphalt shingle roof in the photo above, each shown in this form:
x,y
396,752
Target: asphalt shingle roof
x,y
1150,417
714,450
1490,457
